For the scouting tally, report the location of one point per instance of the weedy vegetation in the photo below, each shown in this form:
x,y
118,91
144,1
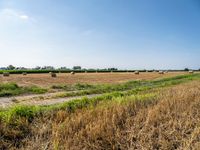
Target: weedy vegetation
x,y
12,89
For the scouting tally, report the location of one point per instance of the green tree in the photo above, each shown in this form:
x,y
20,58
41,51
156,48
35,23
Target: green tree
x,y
186,69
77,68
10,67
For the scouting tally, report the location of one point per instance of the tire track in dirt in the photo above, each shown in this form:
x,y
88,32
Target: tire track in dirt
x,y
42,99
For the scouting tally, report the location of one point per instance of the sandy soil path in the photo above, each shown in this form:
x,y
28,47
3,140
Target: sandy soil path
x,y
42,99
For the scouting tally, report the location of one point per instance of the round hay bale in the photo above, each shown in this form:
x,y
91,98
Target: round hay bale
x,y
72,73
53,75
191,71
24,73
161,72
137,72
6,74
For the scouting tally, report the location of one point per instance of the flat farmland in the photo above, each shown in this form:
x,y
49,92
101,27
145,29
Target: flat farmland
x,y
45,80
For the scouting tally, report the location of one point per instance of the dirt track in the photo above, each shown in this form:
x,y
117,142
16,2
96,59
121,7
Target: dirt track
x,y
44,80
47,99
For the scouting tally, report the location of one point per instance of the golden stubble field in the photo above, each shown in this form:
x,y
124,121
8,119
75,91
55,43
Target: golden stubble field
x,y
45,80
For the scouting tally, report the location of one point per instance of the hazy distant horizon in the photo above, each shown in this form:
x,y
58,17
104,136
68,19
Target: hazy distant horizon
x,y
100,33
82,67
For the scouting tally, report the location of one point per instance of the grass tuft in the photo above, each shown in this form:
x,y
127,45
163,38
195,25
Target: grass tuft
x,y
12,89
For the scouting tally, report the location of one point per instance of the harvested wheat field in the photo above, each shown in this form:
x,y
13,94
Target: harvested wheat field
x,y
170,121
45,80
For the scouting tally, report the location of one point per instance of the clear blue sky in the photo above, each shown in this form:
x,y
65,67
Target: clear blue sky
x,y
128,34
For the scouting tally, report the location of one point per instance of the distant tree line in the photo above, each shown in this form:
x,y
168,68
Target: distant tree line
x,y
12,68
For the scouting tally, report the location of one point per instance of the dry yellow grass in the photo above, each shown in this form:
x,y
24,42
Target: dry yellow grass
x,y
171,121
